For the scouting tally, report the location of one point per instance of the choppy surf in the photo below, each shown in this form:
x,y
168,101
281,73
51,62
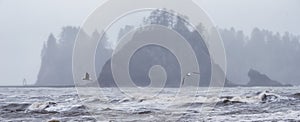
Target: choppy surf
x,y
63,104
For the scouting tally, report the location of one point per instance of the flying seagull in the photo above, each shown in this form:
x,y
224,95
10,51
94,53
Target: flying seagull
x,y
87,77
188,75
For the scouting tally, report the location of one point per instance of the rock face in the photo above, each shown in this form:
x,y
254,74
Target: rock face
x,y
277,55
258,79
148,56
56,69
56,63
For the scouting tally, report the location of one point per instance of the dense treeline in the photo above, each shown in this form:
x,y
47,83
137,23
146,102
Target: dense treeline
x,y
56,59
275,54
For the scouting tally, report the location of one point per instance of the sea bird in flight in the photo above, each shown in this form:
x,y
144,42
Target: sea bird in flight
x,y
87,77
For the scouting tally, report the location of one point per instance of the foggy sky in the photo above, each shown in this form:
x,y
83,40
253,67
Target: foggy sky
x,y
25,25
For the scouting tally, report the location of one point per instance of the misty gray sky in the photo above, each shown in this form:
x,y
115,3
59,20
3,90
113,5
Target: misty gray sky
x,y
25,25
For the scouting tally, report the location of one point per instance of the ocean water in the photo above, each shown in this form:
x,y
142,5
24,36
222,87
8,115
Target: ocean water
x,y
233,104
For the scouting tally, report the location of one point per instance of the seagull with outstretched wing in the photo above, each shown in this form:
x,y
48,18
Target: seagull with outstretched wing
x,y
87,77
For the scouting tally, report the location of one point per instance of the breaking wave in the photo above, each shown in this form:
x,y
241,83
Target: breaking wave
x,y
153,108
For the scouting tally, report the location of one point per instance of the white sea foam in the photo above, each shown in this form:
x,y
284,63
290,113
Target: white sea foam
x,y
248,104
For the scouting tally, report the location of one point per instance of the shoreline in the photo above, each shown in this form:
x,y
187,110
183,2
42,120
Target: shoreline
x,y
154,87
